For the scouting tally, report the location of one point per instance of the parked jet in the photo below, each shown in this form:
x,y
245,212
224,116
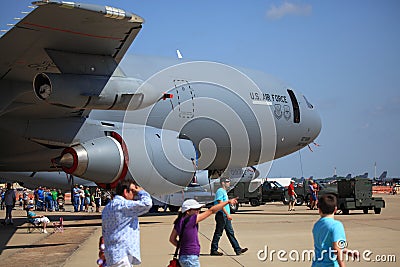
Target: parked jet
x,y
67,105
381,177
365,175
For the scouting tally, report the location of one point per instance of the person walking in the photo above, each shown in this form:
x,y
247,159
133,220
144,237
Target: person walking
x,y
120,224
187,228
9,200
292,196
313,195
223,220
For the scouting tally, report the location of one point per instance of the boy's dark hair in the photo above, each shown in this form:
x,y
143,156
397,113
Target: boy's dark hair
x,y
327,203
122,185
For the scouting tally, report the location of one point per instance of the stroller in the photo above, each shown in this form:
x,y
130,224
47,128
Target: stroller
x,y
61,202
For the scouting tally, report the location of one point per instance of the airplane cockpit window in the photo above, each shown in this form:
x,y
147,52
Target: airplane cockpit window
x,y
309,105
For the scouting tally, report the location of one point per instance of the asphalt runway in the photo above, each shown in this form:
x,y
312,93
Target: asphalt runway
x,y
274,236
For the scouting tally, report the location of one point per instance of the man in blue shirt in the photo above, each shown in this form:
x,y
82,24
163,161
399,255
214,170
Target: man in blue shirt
x,y
75,197
329,236
121,225
223,219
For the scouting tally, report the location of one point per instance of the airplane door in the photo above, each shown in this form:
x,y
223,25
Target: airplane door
x,y
184,99
295,105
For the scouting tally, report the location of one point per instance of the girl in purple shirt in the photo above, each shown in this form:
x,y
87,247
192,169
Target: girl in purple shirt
x,y
190,216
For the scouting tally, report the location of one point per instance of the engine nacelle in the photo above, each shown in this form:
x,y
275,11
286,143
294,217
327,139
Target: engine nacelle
x,y
94,92
156,159
100,160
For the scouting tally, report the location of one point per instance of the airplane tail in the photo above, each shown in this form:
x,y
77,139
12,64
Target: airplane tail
x,y
382,176
348,176
365,175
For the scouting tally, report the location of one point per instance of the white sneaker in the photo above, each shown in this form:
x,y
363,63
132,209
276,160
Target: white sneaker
x,y
45,231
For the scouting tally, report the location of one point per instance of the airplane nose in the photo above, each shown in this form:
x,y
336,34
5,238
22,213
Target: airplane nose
x,y
316,124
312,118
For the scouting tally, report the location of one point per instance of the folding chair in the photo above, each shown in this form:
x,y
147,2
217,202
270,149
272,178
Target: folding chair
x,y
33,226
58,226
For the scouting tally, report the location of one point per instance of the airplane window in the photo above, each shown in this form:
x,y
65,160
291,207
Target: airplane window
x,y
309,105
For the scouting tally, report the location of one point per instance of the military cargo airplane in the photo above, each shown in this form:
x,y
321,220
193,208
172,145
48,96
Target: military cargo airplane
x,y
66,104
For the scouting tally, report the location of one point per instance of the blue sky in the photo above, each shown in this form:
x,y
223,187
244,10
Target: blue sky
x,y
343,55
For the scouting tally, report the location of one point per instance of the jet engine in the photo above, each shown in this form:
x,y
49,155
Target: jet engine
x,y
158,160
94,92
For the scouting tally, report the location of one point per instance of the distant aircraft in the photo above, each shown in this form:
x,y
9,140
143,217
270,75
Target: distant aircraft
x,y
67,105
365,175
381,177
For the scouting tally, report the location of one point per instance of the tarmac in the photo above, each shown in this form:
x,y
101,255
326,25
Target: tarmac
x,y
274,236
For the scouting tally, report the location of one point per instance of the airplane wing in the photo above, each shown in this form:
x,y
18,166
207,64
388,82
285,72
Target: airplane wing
x,y
67,37
62,38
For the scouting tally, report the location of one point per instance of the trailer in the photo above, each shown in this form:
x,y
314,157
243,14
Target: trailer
x,y
356,194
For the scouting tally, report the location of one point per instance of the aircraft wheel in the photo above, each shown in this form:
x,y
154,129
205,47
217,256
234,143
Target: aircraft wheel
x,y
365,211
345,211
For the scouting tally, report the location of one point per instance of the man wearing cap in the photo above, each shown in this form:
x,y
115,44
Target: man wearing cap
x,y
223,220
292,196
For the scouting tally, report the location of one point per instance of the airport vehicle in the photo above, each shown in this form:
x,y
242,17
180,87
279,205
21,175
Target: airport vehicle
x,y
67,105
356,194
268,191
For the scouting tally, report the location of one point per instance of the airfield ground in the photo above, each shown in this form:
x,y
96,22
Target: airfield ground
x,y
269,227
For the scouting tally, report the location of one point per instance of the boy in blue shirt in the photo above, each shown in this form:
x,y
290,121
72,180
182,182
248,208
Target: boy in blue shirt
x,y
329,236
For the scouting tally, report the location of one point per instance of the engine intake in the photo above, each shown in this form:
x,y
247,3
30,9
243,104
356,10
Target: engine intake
x,y
100,160
94,92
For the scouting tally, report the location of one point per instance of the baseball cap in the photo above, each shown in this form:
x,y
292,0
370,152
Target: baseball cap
x,y
190,204
225,180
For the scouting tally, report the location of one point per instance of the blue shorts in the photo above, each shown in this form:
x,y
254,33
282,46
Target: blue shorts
x,y
314,196
189,260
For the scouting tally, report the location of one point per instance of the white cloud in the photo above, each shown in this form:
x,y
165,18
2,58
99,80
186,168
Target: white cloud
x,y
288,9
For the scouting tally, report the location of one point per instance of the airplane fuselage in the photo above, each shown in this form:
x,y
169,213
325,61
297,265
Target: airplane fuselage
x,y
67,105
